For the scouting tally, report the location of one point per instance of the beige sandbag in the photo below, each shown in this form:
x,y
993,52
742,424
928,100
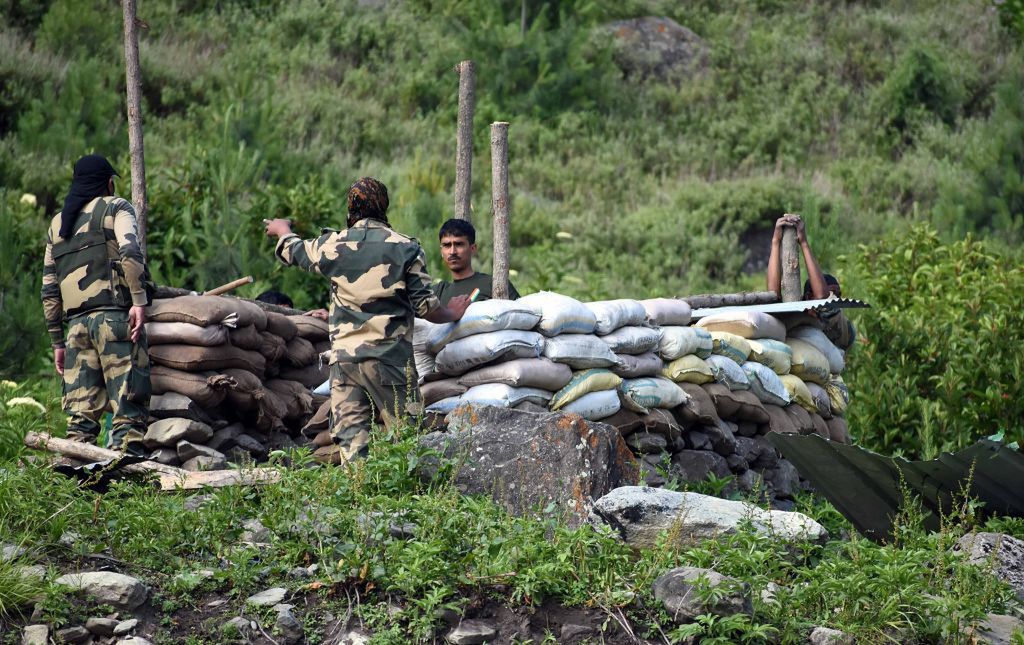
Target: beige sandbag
x,y
746,324
310,375
779,420
272,347
198,310
688,369
281,325
838,430
541,373
296,396
434,391
246,337
199,359
749,407
310,328
299,352
808,363
208,390
699,410
725,403
798,392
164,333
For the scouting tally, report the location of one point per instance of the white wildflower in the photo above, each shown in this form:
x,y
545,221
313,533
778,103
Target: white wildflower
x,y
26,400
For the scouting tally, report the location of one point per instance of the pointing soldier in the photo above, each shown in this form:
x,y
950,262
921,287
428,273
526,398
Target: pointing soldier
x,y
379,283
96,279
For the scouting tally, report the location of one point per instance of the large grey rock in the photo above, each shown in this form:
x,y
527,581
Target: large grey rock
x,y
783,479
723,440
657,47
204,463
35,635
224,439
640,514
251,445
76,634
698,440
126,626
10,552
828,636
1004,554
695,465
174,405
267,598
165,456
646,443
526,461
35,572
101,626
189,450
472,632
239,626
117,589
288,626
168,432
996,629
680,591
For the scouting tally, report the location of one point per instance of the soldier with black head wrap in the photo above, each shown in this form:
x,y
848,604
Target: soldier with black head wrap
x,y
95,279
379,283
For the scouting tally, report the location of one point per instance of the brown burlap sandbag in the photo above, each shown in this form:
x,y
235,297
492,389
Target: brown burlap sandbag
x,y
779,421
699,409
310,375
208,390
661,421
322,438
246,337
321,420
725,403
271,347
820,426
250,314
281,325
166,333
801,418
838,430
297,398
749,407
265,407
198,310
299,352
310,328
270,412
198,359
247,391
625,421
434,391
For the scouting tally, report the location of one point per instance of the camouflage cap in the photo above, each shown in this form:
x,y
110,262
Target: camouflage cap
x,y
368,197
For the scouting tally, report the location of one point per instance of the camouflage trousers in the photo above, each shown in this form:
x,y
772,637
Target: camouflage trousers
x,y
361,394
104,370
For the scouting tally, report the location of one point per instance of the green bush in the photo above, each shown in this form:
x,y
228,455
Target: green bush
x,y
938,364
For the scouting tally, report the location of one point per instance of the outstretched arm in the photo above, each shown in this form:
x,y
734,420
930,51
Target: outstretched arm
x,y
775,258
819,289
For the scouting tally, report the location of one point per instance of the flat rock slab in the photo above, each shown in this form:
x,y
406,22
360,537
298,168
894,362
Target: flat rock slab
x,y
996,629
267,598
527,461
828,636
681,591
101,626
117,589
640,514
472,632
35,635
1003,553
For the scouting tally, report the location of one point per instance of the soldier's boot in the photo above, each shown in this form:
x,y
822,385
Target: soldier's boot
x,y
128,440
82,436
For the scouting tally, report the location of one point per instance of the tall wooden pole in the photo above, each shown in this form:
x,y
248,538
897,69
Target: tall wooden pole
x,y
499,202
134,104
464,139
791,289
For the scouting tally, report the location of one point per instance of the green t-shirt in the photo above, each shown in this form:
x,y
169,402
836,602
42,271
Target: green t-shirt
x,y
445,291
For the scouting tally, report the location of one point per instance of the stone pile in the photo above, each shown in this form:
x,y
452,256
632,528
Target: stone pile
x,y
232,382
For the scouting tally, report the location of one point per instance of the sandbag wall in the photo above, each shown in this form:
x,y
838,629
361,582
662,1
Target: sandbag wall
x,y
231,382
691,400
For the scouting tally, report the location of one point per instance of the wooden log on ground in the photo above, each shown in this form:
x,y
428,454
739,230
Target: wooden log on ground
x,y
732,299
791,287
92,453
464,139
499,202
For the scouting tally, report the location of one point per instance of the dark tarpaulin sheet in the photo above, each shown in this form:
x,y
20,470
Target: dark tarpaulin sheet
x,y
865,486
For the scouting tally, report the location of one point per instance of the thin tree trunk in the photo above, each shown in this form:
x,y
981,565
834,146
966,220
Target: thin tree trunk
x,y
134,105
499,202
791,290
522,19
464,139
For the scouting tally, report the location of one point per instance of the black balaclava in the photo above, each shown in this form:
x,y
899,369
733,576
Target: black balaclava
x,y
92,173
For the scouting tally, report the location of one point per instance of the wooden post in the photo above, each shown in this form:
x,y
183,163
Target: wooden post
x,y
134,105
791,288
464,139
499,203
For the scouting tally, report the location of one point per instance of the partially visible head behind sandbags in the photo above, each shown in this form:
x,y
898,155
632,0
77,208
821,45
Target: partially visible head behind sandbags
x,y
272,297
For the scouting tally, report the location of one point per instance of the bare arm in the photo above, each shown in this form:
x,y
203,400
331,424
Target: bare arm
x,y
774,282
450,313
819,289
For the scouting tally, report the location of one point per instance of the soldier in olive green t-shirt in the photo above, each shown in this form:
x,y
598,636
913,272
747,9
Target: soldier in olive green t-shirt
x,y
458,246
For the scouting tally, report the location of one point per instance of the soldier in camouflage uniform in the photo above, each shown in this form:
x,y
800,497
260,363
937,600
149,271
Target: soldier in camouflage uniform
x,y
379,282
95,278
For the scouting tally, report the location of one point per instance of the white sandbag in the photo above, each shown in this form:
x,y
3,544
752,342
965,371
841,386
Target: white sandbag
x,y
423,332
632,339
461,355
821,400
324,389
559,314
579,351
522,372
745,324
630,366
677,342
162,333
728,372
596,405
667,311
612,314
817,338
642,394
483,317
504,396
771,353
444,406
766,384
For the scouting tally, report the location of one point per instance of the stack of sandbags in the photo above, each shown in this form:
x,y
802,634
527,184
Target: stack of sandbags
x,y
230,381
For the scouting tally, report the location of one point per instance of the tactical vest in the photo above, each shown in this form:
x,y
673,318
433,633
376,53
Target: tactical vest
x,y
90,277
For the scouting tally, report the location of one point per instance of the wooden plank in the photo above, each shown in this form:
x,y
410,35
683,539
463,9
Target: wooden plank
x,y
219,478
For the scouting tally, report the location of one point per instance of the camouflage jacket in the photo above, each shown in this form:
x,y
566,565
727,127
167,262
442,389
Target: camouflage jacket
x,y
79,276
379,283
